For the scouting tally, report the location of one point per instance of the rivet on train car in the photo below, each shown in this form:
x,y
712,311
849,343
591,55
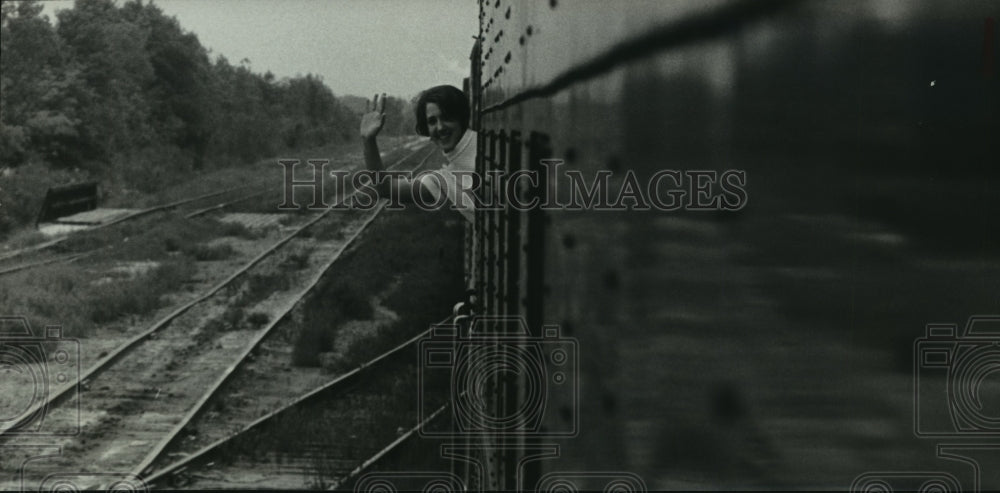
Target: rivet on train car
x,y
507,15
529,30
497,4
506,59
521,39
553,3
569,241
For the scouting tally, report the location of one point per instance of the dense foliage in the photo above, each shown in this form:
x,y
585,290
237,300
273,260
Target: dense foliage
x,y
121,93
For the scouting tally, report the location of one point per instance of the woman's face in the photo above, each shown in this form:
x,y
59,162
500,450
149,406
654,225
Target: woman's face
x,y
444,132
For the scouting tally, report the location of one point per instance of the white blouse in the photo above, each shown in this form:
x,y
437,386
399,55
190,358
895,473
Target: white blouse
x,y
461,158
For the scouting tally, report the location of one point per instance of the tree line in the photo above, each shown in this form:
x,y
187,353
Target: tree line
x,y
123,93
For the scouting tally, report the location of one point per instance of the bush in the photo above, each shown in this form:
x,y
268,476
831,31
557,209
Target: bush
x,y
408,267
352,304
257,320
202,252
67,295
239,230
298,260
136,296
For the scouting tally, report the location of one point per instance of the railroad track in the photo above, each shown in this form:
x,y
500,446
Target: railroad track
x,y
128,217
364,415
70,257
200,211
160,368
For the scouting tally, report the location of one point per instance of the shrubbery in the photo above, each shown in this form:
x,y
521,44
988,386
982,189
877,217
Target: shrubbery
x,y
412,259
130,99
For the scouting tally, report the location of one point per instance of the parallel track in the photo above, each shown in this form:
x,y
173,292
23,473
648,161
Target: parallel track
x,y
108,362
127,217
72,257
336,462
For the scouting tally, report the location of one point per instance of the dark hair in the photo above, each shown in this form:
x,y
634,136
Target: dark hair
x,y
452,102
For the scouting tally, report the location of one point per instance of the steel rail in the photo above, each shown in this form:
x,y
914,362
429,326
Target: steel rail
x,y
338,384
127,217
223,205
75,256
118,353
374,459
226,375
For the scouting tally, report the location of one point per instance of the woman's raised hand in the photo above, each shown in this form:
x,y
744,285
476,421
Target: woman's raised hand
x,y
374,117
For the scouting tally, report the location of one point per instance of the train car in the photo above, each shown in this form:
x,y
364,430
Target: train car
x,y
722,227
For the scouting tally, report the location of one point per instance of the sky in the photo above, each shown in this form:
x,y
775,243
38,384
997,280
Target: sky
x,y
358,47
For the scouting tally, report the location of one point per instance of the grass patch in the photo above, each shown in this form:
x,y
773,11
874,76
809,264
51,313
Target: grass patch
x,y
202,252
298,260
260,286
69,295
230,319
25,238
148,238
239,230
254,289
257,320
233,318
419,253
79,296
137,296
